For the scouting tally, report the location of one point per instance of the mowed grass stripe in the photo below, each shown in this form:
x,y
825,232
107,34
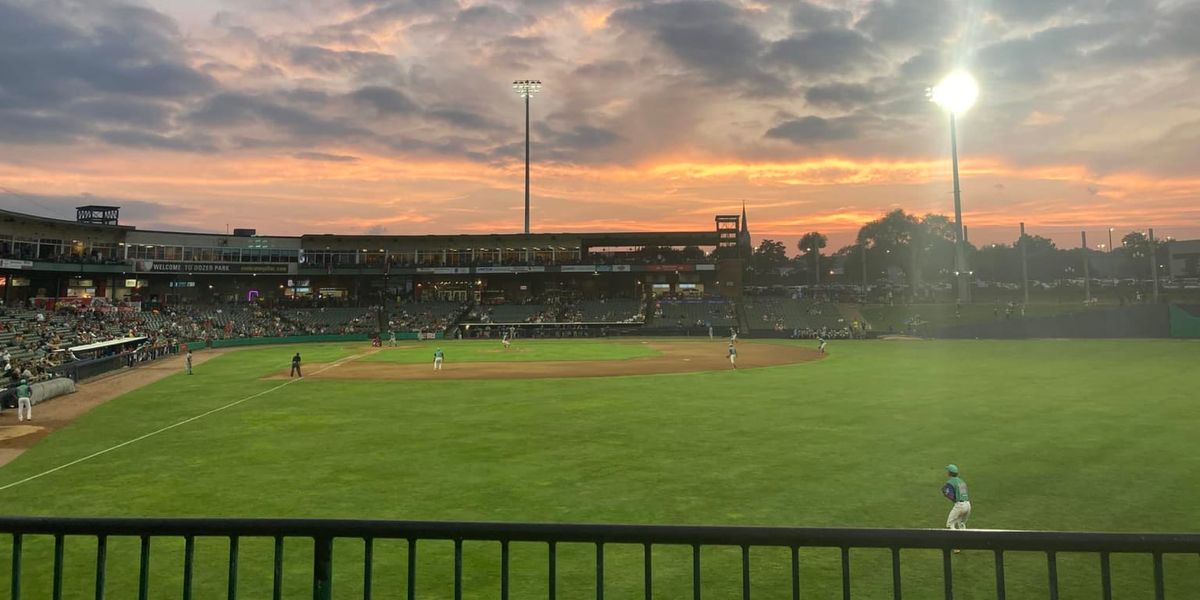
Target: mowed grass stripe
x,y
1067,435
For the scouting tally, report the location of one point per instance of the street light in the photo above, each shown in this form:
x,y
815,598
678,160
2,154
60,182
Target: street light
x,y
526,88
955,94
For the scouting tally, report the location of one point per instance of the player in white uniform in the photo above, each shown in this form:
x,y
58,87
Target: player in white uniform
x,y
506,340
955,490
821,344
438,356
732,335
732,355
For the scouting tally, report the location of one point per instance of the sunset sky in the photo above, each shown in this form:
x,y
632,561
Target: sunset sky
x,y
398,117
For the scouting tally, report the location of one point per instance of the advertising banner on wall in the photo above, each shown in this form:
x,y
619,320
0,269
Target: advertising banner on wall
x,y
159,266
444,270
16,264
513,269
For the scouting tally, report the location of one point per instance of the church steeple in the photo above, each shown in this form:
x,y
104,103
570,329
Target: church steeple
x,y
744,233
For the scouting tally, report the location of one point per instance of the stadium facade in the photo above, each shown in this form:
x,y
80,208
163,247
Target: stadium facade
x,y
96,257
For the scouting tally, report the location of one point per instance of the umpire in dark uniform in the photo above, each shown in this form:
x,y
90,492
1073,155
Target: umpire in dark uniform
x,y
296,366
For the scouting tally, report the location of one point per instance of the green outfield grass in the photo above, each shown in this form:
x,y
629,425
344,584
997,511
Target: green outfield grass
x,y
521,350
1064,435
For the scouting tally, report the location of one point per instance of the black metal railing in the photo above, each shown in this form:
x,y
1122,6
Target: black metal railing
x,y
322,534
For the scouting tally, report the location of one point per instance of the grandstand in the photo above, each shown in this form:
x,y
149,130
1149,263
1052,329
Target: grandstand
x,y
695,312
784,314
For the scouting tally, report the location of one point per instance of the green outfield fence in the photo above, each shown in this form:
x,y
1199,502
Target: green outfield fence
x,y
1185,321
322,533
299,339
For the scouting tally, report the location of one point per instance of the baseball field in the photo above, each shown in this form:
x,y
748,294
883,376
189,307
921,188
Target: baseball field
x,y
1050,435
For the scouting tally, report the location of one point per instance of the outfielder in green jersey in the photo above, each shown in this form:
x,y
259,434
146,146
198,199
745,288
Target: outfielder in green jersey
x,y
955,490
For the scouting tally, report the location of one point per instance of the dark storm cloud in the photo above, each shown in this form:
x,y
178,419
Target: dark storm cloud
x,y
486,18
63,207
142,139
608,69
332,61
808,16
61,79
235,109
709,37
907,22
823,51
1030,60
840,95
464,118
809,130
385,100
579,137
518,52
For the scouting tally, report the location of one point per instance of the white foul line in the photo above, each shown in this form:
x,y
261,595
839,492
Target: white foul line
x,y
174,425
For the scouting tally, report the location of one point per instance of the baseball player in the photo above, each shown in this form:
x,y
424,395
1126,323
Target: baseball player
x,y
187,360
732,335
733,355
438,356
392,338
296,366
505,340
821,344
24,401
955,490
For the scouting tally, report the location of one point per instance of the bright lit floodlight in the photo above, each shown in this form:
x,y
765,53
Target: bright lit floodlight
x,y
956,93
526,88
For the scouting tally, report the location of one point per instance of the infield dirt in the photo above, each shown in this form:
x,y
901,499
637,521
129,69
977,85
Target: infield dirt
x,y
674,357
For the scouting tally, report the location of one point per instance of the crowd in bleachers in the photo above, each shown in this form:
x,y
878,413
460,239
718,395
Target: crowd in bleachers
x,y
426,317
695,311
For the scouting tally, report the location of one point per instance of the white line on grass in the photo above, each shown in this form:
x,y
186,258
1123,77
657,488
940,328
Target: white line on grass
x,y
174,425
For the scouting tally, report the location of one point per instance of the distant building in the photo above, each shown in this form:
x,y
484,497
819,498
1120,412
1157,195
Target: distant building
x,y
1185,258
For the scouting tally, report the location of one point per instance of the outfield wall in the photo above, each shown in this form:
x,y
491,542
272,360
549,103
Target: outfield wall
x,y
1185,321
1139,321
298,339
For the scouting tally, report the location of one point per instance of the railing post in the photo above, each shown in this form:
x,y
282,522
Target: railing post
x,y
189,556
896,591
56,585
695,571
412,568
16,567
1000,575
745,572
233,568
795,572
1160,588
101,558
552,568
458,569
368,566
144,570
1052,572
649,571
504,570
277,576
599,571
845,573
1105,577
322,568
948,573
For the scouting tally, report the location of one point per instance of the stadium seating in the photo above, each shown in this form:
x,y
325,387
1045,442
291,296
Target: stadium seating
x,y
697,312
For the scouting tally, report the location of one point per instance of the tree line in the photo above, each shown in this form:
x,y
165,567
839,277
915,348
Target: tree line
x,y
921,249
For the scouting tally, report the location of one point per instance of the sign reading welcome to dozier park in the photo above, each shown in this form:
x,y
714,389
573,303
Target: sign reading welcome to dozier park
x,y
158,266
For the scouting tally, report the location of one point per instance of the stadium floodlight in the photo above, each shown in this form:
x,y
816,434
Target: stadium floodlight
x,y
955,94
526,88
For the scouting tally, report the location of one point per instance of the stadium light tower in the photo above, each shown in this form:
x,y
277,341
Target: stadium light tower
x,y
526,88
955,94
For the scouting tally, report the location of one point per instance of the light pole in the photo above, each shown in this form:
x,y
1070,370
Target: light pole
x,y
526,88
956,93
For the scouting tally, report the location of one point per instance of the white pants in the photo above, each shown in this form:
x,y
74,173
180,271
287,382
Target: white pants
x,y
733,359
24,409
959,515
437,364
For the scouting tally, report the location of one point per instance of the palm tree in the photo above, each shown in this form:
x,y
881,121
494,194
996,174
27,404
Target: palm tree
x,y
810,244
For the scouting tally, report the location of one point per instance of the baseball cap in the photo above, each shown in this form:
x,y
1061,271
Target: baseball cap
x,y
952,468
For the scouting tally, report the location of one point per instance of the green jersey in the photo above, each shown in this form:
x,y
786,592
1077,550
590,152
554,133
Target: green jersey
x,y
438,354
960,489
24,391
